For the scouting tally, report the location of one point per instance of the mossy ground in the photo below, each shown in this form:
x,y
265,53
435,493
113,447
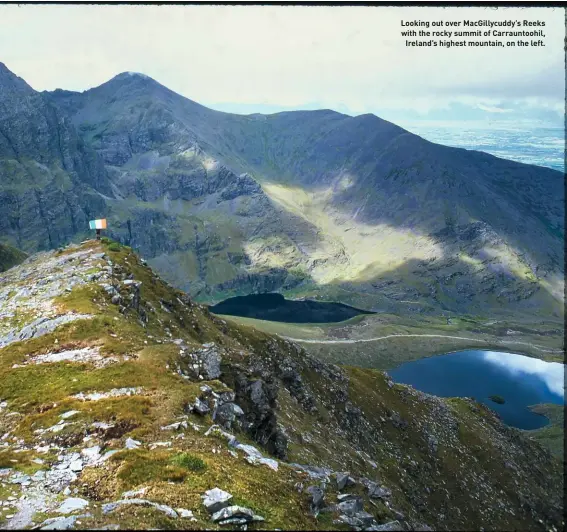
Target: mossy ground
x,y
551,436
177,475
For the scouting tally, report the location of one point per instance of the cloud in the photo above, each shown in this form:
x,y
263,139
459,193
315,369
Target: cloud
x,y
351,58
552,373
490,109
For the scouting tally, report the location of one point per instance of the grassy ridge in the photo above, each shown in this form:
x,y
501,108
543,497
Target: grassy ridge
x,y
352,419
552,435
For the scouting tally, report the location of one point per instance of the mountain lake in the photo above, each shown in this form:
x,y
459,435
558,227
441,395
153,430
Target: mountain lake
x,y
274,307
505,382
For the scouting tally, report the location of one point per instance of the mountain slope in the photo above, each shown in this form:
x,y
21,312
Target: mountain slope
x,y
10,256
50,181
193,216
110,381
315,203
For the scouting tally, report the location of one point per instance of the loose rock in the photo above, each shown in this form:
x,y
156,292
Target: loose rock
x,y
72,504
216,499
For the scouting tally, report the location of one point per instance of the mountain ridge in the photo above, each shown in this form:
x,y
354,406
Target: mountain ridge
x,y
315,202
119,392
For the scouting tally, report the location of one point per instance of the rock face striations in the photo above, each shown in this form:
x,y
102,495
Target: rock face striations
x,y
125,405
354,209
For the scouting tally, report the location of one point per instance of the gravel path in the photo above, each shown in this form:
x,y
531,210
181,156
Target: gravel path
x,y
300,340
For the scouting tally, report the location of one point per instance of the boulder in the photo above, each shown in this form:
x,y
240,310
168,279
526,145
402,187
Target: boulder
x,y
210,363
365,518
216,499
72,505
344,480
227,413
68,414
91,454
227,397
200,407
230,512
377,492
59,523
317,497
350,506
132,444
185,514
206,390
349,520
254,456
345,496
236,521
76,465
111,506
215,429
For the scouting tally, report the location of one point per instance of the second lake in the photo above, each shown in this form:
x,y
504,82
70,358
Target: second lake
x,y
517,380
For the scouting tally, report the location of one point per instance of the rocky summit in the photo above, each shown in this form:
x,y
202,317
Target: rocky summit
x,y
125,404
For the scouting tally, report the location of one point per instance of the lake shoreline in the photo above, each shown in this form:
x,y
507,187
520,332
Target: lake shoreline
x,y
518,381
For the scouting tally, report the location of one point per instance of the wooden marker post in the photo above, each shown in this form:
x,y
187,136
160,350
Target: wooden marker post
x,y
98,225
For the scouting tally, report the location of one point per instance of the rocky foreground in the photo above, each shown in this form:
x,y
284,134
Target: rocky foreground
x,y
125,405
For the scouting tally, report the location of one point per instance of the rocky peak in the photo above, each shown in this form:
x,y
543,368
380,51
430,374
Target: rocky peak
x,y
11,83
130,78
130,75
129,84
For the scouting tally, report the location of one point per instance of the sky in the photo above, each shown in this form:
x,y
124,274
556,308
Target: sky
x,y
249,59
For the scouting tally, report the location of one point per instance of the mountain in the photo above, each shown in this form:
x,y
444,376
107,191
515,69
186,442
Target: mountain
x,y
310,203
122,402
9,257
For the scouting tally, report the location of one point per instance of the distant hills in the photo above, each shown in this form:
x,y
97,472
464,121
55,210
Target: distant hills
x,y
311,203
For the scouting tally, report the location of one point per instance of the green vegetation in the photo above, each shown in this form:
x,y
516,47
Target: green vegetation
x,y
551,436
188,461
10,256
362,424
497,399
431,336
139,467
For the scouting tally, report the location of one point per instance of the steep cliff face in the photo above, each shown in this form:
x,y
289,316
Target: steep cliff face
x,y
50,181
318,203
122,402
201,224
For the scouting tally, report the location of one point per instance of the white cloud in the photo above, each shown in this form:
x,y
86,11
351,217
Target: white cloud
x,y
491,109
339,57
552,373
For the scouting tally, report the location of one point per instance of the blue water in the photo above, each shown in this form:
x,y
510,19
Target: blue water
x,y
522,381
537,145
274,307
